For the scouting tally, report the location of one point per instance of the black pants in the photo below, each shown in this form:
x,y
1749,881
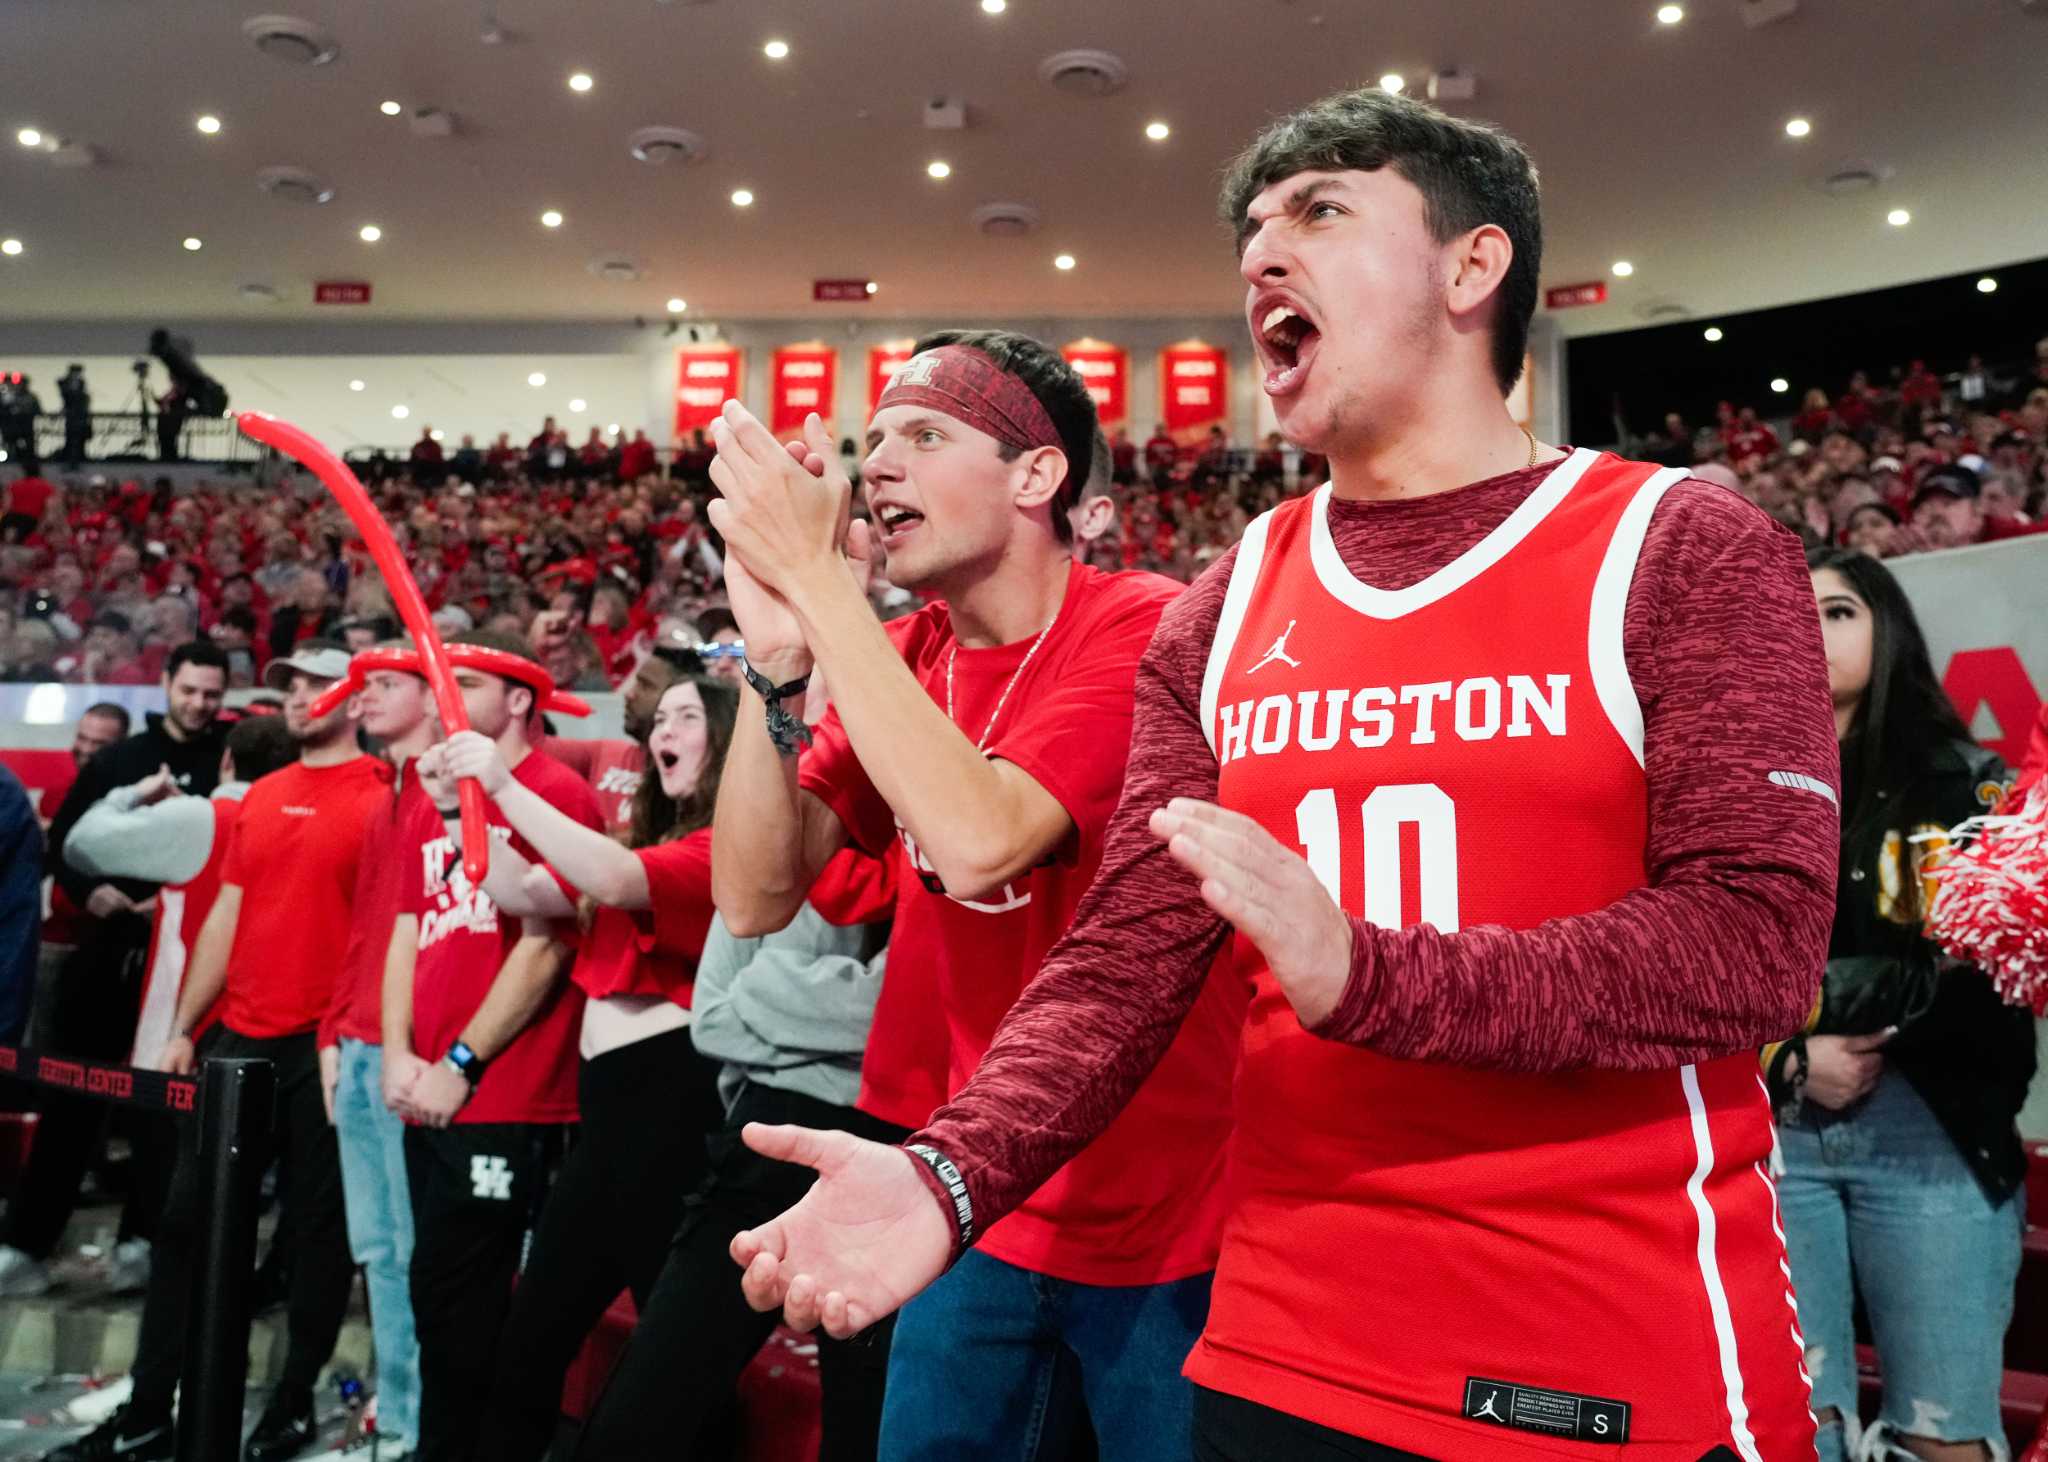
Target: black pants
x,y
697,1332
1231,1429
647,1111
477,1190
91,1016
322,1272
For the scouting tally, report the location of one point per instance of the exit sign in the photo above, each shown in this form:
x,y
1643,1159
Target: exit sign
x,y
1566,296
341,292
840,290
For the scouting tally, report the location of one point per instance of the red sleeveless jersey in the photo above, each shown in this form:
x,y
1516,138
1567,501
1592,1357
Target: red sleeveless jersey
x,y
181,910
1458,1262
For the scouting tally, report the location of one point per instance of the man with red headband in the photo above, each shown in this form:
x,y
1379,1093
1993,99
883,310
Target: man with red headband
x,y
1509,774
398,709
988,733
270,950
479,1051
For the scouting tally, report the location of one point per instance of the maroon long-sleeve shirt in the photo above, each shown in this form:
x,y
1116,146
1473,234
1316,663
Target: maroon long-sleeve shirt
x,y
1722,949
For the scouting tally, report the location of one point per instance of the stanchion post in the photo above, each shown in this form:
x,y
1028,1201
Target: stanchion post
x,y
236,1103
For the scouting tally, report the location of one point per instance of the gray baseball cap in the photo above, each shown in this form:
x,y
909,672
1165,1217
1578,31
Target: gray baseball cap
x,y
320,659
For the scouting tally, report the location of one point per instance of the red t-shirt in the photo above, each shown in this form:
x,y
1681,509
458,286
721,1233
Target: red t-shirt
x,y
463,944
30,495
612,767
653,951
402,821
1145,1203
294,855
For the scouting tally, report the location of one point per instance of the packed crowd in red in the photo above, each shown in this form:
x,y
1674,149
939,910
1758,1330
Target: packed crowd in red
x,y
595,551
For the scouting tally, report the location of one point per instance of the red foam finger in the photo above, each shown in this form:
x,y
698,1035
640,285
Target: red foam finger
x,y
300,445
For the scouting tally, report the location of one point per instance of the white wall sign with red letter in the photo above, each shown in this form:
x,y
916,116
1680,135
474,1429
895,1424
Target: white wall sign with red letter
x,y
1106,369
706,376
803,378
1194,389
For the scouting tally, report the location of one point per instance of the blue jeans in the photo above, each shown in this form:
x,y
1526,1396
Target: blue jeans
x,y
986,1362
379,1208
1877,1199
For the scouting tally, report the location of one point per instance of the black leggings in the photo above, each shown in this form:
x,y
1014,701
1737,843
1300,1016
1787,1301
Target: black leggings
x,y
647,1109
697,1332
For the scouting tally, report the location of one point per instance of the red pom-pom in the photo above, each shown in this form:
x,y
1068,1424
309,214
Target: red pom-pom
x,y
1990,904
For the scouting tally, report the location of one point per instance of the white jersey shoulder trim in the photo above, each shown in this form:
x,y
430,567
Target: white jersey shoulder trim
x,y
1611,684
1244,578
1460,571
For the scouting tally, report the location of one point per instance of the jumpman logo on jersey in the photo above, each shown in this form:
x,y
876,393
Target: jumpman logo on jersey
x,y
1486,1407
1279,651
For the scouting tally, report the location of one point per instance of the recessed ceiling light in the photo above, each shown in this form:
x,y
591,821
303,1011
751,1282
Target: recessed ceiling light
x,y
1987,285
580,81
10,247
1623,269
192,245
369,233
551,219
873,287
1158,131
1898,218
438,435
994,7
355,385
1670,14
1712,332
538,378
776,50
1780,385
579,404
29,137
742,198
1798,127
208,124
938,169
677,305
401,412
389,109
1392,81
1063,261
611,428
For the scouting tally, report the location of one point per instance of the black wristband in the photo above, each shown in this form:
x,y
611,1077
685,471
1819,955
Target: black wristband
x,y
1788,1078
788,732
955,1185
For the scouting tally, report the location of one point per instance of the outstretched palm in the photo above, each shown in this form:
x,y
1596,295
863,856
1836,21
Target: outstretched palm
x,y
866,1238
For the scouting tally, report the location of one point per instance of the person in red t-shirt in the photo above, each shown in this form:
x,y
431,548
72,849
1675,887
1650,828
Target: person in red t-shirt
x,y
613,765
270,952
1500,1182
479,1052
986,733
647,1100
398,710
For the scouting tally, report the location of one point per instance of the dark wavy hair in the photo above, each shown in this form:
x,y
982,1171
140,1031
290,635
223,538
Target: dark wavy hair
x,y
660,818
1905,717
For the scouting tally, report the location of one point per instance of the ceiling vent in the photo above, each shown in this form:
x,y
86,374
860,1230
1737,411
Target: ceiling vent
x,y
259,294
431,122
1757,14
1084,73
660,146
1853,176
616,269
1006,220
69,152
293,185
1662,312
289,38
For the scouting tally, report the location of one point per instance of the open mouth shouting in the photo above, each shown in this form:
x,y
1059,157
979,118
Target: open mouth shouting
x,y
1286,337
895,521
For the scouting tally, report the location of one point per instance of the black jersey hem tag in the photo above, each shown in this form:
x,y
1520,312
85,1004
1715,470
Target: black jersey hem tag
x,y
1553,1413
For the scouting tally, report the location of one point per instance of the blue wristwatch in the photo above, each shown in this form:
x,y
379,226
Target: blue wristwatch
x,y
468,1065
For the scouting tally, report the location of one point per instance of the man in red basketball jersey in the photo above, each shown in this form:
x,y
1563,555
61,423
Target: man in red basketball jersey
x,y
1511,773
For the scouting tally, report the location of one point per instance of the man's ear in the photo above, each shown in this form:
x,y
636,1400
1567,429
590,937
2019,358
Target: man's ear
x,y
1044,473
1092,517
519,701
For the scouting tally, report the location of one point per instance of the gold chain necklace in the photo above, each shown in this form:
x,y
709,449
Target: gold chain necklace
x,y
1003,699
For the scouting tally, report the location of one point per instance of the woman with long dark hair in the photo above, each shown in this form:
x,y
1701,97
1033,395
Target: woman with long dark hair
x,y
648,1100
1902,1165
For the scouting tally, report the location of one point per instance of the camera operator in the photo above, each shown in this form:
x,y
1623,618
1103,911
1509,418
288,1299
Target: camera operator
x,y
77,415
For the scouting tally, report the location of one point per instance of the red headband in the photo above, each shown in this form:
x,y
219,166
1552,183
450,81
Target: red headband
x,y
475,657
966,384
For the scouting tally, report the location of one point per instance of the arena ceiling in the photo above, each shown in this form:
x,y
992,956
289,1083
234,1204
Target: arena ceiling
x,y
1660,144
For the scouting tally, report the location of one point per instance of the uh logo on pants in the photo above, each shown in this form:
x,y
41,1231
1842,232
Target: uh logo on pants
x,y
490,1177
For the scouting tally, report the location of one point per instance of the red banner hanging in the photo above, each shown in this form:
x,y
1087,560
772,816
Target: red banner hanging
x,y
803,378
1194,389
706,376
884,361
1106,369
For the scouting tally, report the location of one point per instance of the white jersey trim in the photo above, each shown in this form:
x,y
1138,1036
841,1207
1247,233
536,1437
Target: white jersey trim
x,y
1453,576
1244,578
1604,652
1710,1268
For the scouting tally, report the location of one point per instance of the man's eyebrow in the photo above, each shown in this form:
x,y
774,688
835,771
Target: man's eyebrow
x,y
1295,201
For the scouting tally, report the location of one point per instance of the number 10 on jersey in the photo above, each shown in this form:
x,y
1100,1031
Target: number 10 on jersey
x,y
1429,808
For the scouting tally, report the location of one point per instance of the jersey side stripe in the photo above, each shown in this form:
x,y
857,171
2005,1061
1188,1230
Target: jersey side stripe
x,y
1710,1267
1610,606
1244,578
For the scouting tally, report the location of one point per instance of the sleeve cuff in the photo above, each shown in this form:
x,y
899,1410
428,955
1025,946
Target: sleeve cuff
x,y
1347,1021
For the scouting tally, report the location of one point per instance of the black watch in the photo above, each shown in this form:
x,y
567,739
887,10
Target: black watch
x,y
467,1064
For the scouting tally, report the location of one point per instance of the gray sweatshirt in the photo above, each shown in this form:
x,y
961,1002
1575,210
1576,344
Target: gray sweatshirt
x,y
790,1010
165,842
